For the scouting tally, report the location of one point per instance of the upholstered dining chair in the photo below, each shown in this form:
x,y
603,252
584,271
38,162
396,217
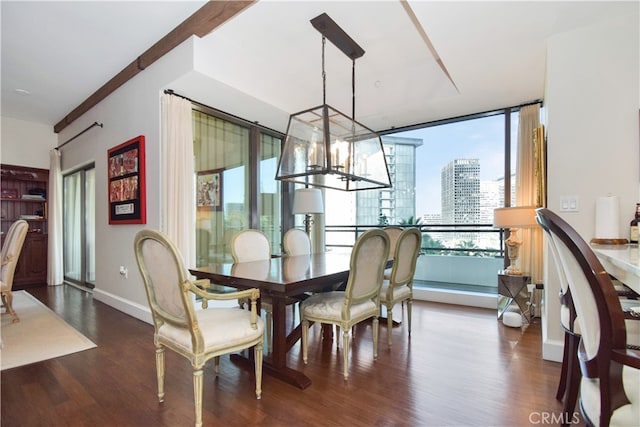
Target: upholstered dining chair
x,y
610,384
252,245
393,232
296,242
570,375
198,335
399,286
11,250
358,302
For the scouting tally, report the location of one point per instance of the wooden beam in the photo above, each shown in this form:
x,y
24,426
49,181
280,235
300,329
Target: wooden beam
x,y
201,23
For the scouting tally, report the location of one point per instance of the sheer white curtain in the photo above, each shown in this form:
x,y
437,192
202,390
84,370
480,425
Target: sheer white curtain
x,y
55,273
527,190
177,191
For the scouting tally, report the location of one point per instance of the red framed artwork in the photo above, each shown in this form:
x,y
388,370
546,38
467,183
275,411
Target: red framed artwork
x,y
127,197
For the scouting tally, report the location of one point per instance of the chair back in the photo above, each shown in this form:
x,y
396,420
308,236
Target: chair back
x,y
393,233
406,256
597,306
567,309
368,260
296,242
250,245
11,250
166,282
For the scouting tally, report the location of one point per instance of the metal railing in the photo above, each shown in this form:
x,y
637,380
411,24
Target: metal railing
x,y
470,259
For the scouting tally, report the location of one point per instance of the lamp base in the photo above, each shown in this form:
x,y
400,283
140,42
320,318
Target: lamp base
x,y
513,271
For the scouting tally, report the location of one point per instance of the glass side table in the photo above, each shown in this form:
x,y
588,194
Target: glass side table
x,y
512,289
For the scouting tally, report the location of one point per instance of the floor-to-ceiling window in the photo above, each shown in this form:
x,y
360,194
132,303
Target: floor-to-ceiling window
x,y
237,159
79,227
447,177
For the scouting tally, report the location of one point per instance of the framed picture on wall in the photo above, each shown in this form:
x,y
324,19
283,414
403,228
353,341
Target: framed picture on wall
x,y
209,190
126,170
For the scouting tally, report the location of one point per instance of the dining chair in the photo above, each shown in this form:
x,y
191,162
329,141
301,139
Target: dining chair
x,y
11,250
610,386
570,375
198,335
253,245
358,302
296,242
393,232
399,286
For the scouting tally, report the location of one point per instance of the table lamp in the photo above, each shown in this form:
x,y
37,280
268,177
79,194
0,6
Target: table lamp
x,y
513,219
307,201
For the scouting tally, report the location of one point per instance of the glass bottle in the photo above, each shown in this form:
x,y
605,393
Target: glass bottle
x,y
633,226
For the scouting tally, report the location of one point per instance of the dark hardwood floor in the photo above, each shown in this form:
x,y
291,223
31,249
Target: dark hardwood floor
x,y
461,367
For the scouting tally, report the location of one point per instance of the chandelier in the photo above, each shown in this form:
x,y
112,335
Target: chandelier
x,y
324,147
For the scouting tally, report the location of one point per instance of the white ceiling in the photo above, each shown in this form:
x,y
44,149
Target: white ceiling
x,y
62,52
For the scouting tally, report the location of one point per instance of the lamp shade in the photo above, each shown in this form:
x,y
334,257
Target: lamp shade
x,y
516,217
308,201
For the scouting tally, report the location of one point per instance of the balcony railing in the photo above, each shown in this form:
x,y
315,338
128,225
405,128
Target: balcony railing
x,y
453,256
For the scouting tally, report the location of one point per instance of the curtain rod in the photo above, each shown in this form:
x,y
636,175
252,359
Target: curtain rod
x,y
71,139
233,116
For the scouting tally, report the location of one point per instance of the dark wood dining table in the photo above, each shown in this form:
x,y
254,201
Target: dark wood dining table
x,y
282,278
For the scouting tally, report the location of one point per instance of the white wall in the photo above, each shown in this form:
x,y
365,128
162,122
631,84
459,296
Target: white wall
x,y
132,110
26,143
592,105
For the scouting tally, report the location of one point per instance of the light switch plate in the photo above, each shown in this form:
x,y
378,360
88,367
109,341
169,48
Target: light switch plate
x,y
569,204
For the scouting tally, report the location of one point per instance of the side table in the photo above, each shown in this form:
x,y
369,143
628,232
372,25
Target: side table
x,y
513,289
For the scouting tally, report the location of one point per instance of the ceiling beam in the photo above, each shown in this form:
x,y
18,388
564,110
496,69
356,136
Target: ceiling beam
x,y
200,23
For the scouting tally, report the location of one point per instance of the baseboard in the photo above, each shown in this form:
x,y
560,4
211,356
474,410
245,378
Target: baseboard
x,y
471,299
138,311
552,350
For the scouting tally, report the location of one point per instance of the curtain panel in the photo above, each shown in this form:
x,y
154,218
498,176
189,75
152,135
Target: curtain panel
x,y
177,186
527,191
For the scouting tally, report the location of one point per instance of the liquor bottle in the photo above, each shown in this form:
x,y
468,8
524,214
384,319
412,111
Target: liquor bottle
x,y
633,234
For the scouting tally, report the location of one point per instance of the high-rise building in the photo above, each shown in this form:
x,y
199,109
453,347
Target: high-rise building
x,y
460,182
398,203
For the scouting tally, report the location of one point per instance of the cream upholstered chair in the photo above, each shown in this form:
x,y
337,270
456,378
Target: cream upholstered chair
x,y
10,253
198,335
570,375
358,302
393,232
610,384
296,242
399,286
252,245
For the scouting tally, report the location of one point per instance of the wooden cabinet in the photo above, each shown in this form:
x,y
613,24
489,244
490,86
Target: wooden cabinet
x,y
24,196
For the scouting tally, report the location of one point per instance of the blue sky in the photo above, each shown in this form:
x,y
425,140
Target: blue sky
x,y
479,138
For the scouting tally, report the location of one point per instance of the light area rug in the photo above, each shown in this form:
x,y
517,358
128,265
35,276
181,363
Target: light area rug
x,y
39,335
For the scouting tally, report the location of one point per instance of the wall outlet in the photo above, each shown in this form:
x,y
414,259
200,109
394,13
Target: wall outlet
x,y
124,271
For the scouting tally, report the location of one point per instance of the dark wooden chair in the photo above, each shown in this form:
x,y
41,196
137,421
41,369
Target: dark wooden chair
x,y
610,384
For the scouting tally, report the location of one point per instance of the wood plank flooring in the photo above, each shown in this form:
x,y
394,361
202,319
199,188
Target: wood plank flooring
x,y
461,367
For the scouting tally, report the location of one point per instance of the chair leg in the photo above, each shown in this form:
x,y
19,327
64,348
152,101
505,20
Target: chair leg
x,y
345,351
257,355
305,339
376,333
562,384
389,324
409,304
160,372
573,380
269,321
7,300
197,395
216,365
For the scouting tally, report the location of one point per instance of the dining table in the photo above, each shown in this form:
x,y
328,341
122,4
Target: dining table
x,y
620,261
283,279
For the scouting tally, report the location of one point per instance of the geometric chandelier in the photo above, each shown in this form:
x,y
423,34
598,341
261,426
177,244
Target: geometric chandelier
x,y
326,148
